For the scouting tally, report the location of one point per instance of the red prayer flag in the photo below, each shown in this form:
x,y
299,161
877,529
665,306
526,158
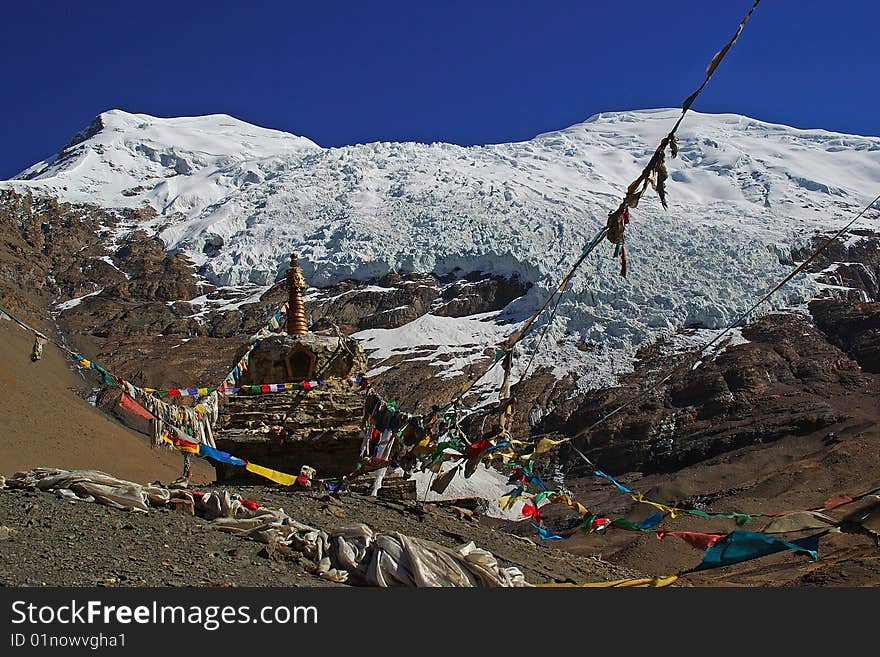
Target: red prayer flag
x,y
696,539
129,405
478,447
183,445
599,524
531,511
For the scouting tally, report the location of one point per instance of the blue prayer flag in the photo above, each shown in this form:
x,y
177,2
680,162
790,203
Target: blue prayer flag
x,y
546,534
620,486
740,546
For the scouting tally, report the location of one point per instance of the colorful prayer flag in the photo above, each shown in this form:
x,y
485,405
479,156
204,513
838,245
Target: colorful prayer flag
x,y
740,546
546,534
217,455
274,475
546,444
698,540
640,582
620,486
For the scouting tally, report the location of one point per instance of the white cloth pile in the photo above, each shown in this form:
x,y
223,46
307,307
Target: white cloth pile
x,y
356,554
92,486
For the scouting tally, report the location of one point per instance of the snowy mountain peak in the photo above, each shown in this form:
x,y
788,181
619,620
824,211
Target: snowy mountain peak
x,y
120,155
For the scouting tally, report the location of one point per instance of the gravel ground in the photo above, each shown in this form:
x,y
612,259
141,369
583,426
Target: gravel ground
x,y
48,541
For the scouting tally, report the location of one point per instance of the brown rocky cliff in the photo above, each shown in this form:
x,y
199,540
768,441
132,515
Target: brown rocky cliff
x,y
776,385
853,326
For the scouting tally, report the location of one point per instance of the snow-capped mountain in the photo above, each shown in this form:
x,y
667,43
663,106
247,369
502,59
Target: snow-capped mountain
x,y
237,199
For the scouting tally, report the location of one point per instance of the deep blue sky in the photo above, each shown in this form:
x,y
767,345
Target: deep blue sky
x,y
461,71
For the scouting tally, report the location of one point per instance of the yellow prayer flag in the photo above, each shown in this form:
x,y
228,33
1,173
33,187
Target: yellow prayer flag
x,y
546,444
638,497
559,498
618,583
274,475
203,391
506,502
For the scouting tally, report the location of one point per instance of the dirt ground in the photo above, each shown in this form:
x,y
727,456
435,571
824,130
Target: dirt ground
x,y
43,423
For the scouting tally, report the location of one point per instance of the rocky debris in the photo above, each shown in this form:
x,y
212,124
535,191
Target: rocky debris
x,y
57,252
394,300
415,383
138,296
58,249
153,274
391,301
66,543
852,326
46,243
476,293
